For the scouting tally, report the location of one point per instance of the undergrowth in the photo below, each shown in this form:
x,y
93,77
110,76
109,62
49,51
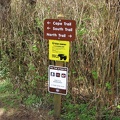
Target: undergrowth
x,y
94,67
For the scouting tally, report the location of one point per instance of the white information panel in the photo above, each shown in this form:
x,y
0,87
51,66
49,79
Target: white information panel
x,y
57,79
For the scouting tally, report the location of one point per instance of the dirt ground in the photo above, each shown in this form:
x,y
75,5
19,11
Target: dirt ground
x,y
23,113
17,111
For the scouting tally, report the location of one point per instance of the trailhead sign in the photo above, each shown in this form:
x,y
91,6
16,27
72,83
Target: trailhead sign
x,y
59,50
57,77
60,33
57,29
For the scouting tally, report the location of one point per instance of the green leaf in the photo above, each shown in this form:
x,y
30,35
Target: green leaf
x,y
38,22
20,33
108,85
34,48
81,31
95,75
31,67
118,106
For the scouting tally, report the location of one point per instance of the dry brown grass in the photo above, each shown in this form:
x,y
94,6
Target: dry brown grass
x,y
94,55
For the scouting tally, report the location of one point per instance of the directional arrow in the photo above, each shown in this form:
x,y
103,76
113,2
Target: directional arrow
x,y
48,22
59,29
48,28
70,36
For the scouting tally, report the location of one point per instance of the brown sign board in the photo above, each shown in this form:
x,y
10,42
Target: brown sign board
x,y
59,29
57,79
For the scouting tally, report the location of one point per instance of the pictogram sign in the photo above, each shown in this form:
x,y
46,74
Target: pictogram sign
x,y
57,79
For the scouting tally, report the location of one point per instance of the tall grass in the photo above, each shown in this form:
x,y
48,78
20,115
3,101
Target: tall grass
x,y
94,55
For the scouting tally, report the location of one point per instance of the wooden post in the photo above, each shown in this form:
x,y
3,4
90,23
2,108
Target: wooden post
x,y
57,97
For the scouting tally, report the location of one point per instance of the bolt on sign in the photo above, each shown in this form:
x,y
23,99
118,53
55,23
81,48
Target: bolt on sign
x,y
57,29
57,79
59,50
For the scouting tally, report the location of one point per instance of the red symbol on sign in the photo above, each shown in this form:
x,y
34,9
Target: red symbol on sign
x,y
57,74
63,75
59,29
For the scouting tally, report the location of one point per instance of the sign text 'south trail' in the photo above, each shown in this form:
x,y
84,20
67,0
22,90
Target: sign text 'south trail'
x,y
57,29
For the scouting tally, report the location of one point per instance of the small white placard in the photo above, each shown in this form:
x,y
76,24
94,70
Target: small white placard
x,y
58,77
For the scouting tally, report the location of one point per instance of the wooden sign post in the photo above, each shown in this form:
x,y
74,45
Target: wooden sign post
x,y
60,32
57,97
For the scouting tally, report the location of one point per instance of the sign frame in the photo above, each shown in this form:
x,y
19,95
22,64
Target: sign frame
x,y
57,90
59,50
60,29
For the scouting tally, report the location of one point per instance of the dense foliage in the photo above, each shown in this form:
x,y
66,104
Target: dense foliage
x,y
94,67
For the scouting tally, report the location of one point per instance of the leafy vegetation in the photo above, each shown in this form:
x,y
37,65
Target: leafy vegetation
x,y
94,67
